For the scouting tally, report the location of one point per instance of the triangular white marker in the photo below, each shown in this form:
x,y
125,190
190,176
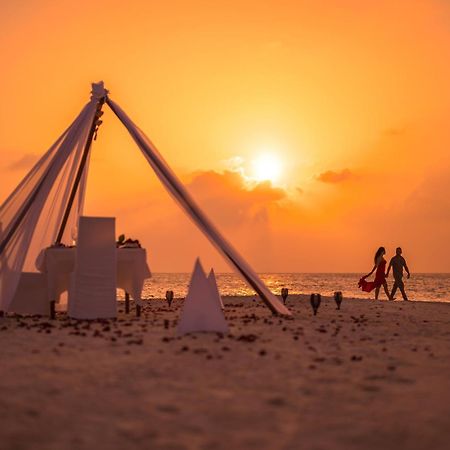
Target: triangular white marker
x,y
201,310
215,289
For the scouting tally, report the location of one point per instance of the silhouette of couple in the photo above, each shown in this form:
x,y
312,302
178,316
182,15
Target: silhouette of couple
x,y
397,263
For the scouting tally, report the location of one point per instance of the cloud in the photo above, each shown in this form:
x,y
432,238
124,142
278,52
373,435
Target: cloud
x,y
333,177
228,197
24,162
223,184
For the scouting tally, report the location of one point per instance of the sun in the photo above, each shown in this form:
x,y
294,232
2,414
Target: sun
x,y
266,167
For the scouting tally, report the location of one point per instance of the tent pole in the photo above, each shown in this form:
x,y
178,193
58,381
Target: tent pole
x,y
87,147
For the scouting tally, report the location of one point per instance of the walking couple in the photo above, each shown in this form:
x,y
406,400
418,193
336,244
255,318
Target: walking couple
x,y
397,263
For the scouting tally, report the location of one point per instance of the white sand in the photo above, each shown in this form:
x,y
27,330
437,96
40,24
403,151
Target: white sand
x,y
374,375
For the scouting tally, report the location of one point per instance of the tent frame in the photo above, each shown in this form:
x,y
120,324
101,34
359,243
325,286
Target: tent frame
x,y
172,184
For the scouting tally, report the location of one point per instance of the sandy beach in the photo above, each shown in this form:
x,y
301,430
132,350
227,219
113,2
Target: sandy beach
x,y
372,375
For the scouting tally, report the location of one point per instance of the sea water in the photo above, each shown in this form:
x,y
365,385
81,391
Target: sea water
x,y
420,287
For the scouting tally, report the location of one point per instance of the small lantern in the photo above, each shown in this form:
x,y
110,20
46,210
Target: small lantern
x,y
169,297
284,294
315,302
338,299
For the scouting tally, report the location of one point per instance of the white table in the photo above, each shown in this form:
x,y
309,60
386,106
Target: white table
x,y
59,262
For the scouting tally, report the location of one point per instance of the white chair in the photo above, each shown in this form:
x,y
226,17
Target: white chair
x,y
92,290
31,296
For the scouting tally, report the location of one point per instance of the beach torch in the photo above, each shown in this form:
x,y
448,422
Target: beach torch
x,y
169,297
315,302
284,294
338,299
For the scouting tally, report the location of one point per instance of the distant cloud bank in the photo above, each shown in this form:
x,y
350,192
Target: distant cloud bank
x,y
333,177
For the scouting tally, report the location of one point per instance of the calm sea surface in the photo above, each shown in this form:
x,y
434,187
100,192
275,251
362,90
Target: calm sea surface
x,y
425,287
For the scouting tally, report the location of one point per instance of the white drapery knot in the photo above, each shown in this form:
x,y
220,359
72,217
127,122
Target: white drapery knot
x,y
98,91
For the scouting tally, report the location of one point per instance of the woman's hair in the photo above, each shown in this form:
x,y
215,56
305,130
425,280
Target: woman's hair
x,y
379,252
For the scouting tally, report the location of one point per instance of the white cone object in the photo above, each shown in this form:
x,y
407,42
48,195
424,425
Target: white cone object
x,y
202,310
213,283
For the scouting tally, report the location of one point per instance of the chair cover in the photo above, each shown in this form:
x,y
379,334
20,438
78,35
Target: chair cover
x,y
92,292
31,295
201,310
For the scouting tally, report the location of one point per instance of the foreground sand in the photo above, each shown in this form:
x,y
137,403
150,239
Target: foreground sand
x,y
375,375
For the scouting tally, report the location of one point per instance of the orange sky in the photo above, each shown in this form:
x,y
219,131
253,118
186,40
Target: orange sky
x,y
351,97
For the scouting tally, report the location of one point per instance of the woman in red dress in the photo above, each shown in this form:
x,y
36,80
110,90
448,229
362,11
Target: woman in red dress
x,y
380,276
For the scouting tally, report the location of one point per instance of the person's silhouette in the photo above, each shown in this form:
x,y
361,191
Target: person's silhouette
x,y
398,263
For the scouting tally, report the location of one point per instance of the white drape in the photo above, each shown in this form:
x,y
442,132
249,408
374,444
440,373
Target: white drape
x,y
34,209
171,182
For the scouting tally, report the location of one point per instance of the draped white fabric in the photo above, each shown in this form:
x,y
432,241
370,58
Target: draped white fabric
x,y
35,208
171,182
59,263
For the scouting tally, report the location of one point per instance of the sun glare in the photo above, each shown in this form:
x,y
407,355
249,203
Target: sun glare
x,y
266,167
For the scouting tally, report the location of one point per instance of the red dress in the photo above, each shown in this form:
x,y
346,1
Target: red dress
x,y
368,286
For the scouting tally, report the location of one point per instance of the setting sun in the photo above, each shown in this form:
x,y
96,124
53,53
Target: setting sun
x,y
266,167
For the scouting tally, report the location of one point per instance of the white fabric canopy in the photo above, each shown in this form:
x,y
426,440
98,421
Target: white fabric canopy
x,y
35,208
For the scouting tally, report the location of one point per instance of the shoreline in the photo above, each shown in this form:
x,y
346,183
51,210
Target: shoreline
x,y
419,288
305,297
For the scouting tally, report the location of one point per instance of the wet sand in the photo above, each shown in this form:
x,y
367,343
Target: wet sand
x,y
374,375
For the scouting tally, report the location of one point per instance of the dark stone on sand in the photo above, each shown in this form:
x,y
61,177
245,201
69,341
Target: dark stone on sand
x,y
276,401
247,338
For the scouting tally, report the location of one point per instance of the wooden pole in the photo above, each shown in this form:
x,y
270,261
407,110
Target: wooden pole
x,y
127,303
87,147
52,310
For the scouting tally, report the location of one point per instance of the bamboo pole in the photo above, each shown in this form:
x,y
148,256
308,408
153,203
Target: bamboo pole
x,y
87,147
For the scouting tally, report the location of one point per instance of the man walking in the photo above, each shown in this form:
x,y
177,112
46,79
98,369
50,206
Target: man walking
x,y
398,263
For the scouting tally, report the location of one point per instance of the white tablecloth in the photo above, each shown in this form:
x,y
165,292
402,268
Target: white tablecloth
x,y
59,263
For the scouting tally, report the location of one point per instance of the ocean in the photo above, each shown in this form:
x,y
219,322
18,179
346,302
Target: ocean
x,y
420,287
